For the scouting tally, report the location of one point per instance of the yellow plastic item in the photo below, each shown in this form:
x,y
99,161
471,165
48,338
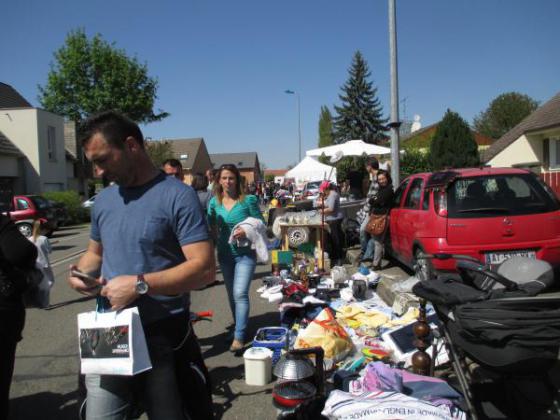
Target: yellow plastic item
x,y
326,332
354,316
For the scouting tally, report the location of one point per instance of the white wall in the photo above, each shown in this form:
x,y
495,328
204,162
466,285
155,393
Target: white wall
x,y
27,129
20,126
53,172
522,151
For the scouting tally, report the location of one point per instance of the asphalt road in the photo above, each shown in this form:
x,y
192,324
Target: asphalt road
x,y
46,373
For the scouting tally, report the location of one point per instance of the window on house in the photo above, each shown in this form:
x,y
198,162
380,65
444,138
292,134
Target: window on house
x,y
51,143
554,150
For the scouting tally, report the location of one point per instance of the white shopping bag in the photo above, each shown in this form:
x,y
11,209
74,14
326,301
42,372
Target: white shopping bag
x,y
112,343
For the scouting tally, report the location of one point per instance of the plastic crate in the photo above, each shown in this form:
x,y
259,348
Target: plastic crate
x,y
273,338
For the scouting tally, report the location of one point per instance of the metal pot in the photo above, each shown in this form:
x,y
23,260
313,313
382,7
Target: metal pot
x,y
298,379
293,393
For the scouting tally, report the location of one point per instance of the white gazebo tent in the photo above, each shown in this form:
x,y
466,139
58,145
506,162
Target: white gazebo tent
x,y
350,148
310,169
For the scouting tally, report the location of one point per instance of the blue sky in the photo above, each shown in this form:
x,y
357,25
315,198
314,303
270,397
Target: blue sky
x,y
223,65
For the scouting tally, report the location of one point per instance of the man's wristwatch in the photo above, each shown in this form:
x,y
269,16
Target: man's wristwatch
x,y
141,286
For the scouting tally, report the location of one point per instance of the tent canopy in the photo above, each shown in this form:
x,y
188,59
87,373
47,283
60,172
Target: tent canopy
x,y
350,148
310,169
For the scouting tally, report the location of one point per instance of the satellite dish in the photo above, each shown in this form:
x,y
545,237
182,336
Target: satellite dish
x,y
336,157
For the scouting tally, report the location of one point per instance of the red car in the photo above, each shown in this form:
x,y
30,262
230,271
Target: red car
x,y
490,214
28,208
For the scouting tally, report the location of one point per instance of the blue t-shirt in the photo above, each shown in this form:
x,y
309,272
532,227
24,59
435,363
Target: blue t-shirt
x,y
142,230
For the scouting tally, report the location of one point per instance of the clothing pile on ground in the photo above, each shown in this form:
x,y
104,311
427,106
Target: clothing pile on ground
x,y
367,345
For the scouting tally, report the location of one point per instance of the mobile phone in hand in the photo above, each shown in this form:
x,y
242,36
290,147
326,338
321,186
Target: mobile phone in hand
x,y
89,280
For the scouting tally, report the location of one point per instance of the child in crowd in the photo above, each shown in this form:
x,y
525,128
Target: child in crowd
x,y
43,250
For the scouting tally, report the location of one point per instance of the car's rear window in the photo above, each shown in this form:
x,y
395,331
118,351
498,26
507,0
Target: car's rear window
x,y
495,195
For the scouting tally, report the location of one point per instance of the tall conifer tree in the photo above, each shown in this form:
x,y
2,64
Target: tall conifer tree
x,y
325,127
360,115
453,145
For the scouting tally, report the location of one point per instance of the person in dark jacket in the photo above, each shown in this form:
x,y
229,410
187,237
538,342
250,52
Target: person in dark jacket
x,y
200,185
17,255
380,204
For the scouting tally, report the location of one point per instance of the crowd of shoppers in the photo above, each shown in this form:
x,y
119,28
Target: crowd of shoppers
x,y
151,243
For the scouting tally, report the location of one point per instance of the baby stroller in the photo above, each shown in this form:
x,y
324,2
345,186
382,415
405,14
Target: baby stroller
x,y
503,322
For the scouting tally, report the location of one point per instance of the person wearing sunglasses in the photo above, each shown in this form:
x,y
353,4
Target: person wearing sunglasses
x,y
229,207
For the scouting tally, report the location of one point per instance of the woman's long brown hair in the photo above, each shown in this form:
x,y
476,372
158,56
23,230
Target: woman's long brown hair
x,y
219,191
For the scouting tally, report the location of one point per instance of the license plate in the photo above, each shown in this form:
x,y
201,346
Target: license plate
x,y
496,258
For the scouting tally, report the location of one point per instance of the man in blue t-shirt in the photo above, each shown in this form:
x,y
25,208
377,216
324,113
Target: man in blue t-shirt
x,y
149,246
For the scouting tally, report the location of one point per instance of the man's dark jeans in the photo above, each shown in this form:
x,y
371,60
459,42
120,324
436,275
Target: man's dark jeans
x,y
157,390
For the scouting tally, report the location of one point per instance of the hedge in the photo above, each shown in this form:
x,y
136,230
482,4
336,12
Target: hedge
x,y
76,213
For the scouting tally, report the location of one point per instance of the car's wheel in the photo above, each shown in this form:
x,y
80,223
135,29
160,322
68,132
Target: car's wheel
x,y
25,229
423,268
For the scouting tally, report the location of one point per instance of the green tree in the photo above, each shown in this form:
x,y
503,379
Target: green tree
x,y
348,164
89,76
414,161
360,115
453,145
325,127
504,112
159,151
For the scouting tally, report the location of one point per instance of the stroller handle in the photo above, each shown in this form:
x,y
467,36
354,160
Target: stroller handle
x,y
472,265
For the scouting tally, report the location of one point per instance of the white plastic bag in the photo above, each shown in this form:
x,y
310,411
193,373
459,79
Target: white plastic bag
x,y
112,343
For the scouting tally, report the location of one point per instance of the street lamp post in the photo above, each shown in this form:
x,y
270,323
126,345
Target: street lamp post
x,y
395,123
292,92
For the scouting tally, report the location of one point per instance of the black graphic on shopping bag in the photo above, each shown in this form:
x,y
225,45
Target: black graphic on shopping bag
x,y
104,342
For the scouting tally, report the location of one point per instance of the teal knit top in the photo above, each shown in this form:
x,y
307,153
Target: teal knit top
x,y
226,220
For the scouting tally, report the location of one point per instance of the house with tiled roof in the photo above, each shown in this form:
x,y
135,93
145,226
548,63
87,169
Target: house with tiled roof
x,y
43,163
422,138
247,163
193,155
275,172
534,143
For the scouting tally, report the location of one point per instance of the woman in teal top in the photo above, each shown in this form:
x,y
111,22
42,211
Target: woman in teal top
x,y
227,208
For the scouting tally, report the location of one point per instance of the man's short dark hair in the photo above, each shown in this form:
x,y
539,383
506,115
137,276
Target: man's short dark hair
x,y
174,163
373,163
114,127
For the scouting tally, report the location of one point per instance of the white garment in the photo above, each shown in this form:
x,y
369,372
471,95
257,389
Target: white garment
x,y
43,250
255,231
384,406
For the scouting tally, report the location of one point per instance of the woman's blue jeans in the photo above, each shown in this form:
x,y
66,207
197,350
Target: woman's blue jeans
x,y
367,251
238,272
